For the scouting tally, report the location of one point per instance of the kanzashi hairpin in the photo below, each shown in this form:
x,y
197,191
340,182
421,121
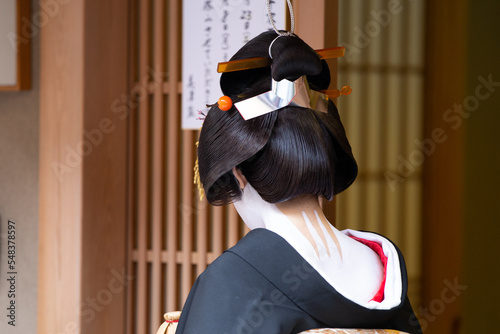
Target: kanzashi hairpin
x,y
257,62
202,114
224,103
333,93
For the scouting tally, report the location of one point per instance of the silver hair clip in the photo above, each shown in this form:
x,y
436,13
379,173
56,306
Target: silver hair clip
x,y
282,94
274,40
280,34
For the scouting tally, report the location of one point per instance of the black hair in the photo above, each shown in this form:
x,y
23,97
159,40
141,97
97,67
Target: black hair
x,y
285,153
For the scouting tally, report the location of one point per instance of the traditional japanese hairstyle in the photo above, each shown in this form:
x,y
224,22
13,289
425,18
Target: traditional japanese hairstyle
x,y
283,153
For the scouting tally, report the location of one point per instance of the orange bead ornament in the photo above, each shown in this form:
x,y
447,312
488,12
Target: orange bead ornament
x,y
225,103
346,90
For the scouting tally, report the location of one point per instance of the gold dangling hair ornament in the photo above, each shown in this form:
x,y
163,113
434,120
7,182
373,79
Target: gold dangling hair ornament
x,y
197,180
225,104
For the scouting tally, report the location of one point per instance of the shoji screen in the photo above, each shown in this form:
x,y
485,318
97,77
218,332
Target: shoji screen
x,y
173,235
383,119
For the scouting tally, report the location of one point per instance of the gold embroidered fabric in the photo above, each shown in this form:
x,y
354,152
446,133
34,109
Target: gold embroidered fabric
x,y
351,331
172,318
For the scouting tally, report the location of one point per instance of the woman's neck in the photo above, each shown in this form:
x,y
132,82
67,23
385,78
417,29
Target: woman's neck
x,y
307,207
295,207
304,212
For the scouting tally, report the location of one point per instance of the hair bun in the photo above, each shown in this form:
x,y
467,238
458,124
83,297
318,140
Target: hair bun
x,y
293,58
285,153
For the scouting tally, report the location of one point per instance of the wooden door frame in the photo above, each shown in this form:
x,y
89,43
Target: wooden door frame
x,y
83,131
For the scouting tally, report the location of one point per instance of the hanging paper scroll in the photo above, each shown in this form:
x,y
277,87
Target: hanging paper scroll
x,y
212,31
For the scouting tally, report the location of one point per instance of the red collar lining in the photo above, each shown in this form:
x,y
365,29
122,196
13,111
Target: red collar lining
x,y
377,248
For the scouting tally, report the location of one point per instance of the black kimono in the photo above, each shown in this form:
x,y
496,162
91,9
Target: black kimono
x,y
262,285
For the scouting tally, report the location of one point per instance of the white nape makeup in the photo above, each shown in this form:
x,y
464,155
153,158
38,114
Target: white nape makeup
x,y
306,214
353,269
300,211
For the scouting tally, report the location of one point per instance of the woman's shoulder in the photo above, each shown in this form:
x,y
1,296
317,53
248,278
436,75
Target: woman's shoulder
x,y
239,257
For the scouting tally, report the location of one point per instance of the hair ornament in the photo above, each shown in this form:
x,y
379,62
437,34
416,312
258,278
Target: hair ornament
x,y
202,114
197,180
287,93
274,40
333,93
280,33
271,20
283,93
258,62
224,103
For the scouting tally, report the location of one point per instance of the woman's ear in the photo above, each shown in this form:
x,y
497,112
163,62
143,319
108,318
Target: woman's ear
x,y
242,180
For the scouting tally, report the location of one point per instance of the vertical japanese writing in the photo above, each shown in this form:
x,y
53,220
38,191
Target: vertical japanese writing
x,y
225,36
246,18
207,49
212,31
191,97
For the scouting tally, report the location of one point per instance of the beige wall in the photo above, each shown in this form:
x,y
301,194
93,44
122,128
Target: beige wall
x,y
19,121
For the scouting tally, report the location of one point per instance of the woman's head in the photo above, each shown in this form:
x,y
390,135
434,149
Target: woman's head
x,y
285,153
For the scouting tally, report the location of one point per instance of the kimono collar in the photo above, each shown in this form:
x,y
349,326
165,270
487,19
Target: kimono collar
x,y
294,277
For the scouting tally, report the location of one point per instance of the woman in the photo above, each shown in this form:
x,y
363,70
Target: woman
x,y
273,154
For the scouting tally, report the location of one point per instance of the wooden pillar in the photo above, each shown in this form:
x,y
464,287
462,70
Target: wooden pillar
x,y
83,123
316,22
482,163
443,188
